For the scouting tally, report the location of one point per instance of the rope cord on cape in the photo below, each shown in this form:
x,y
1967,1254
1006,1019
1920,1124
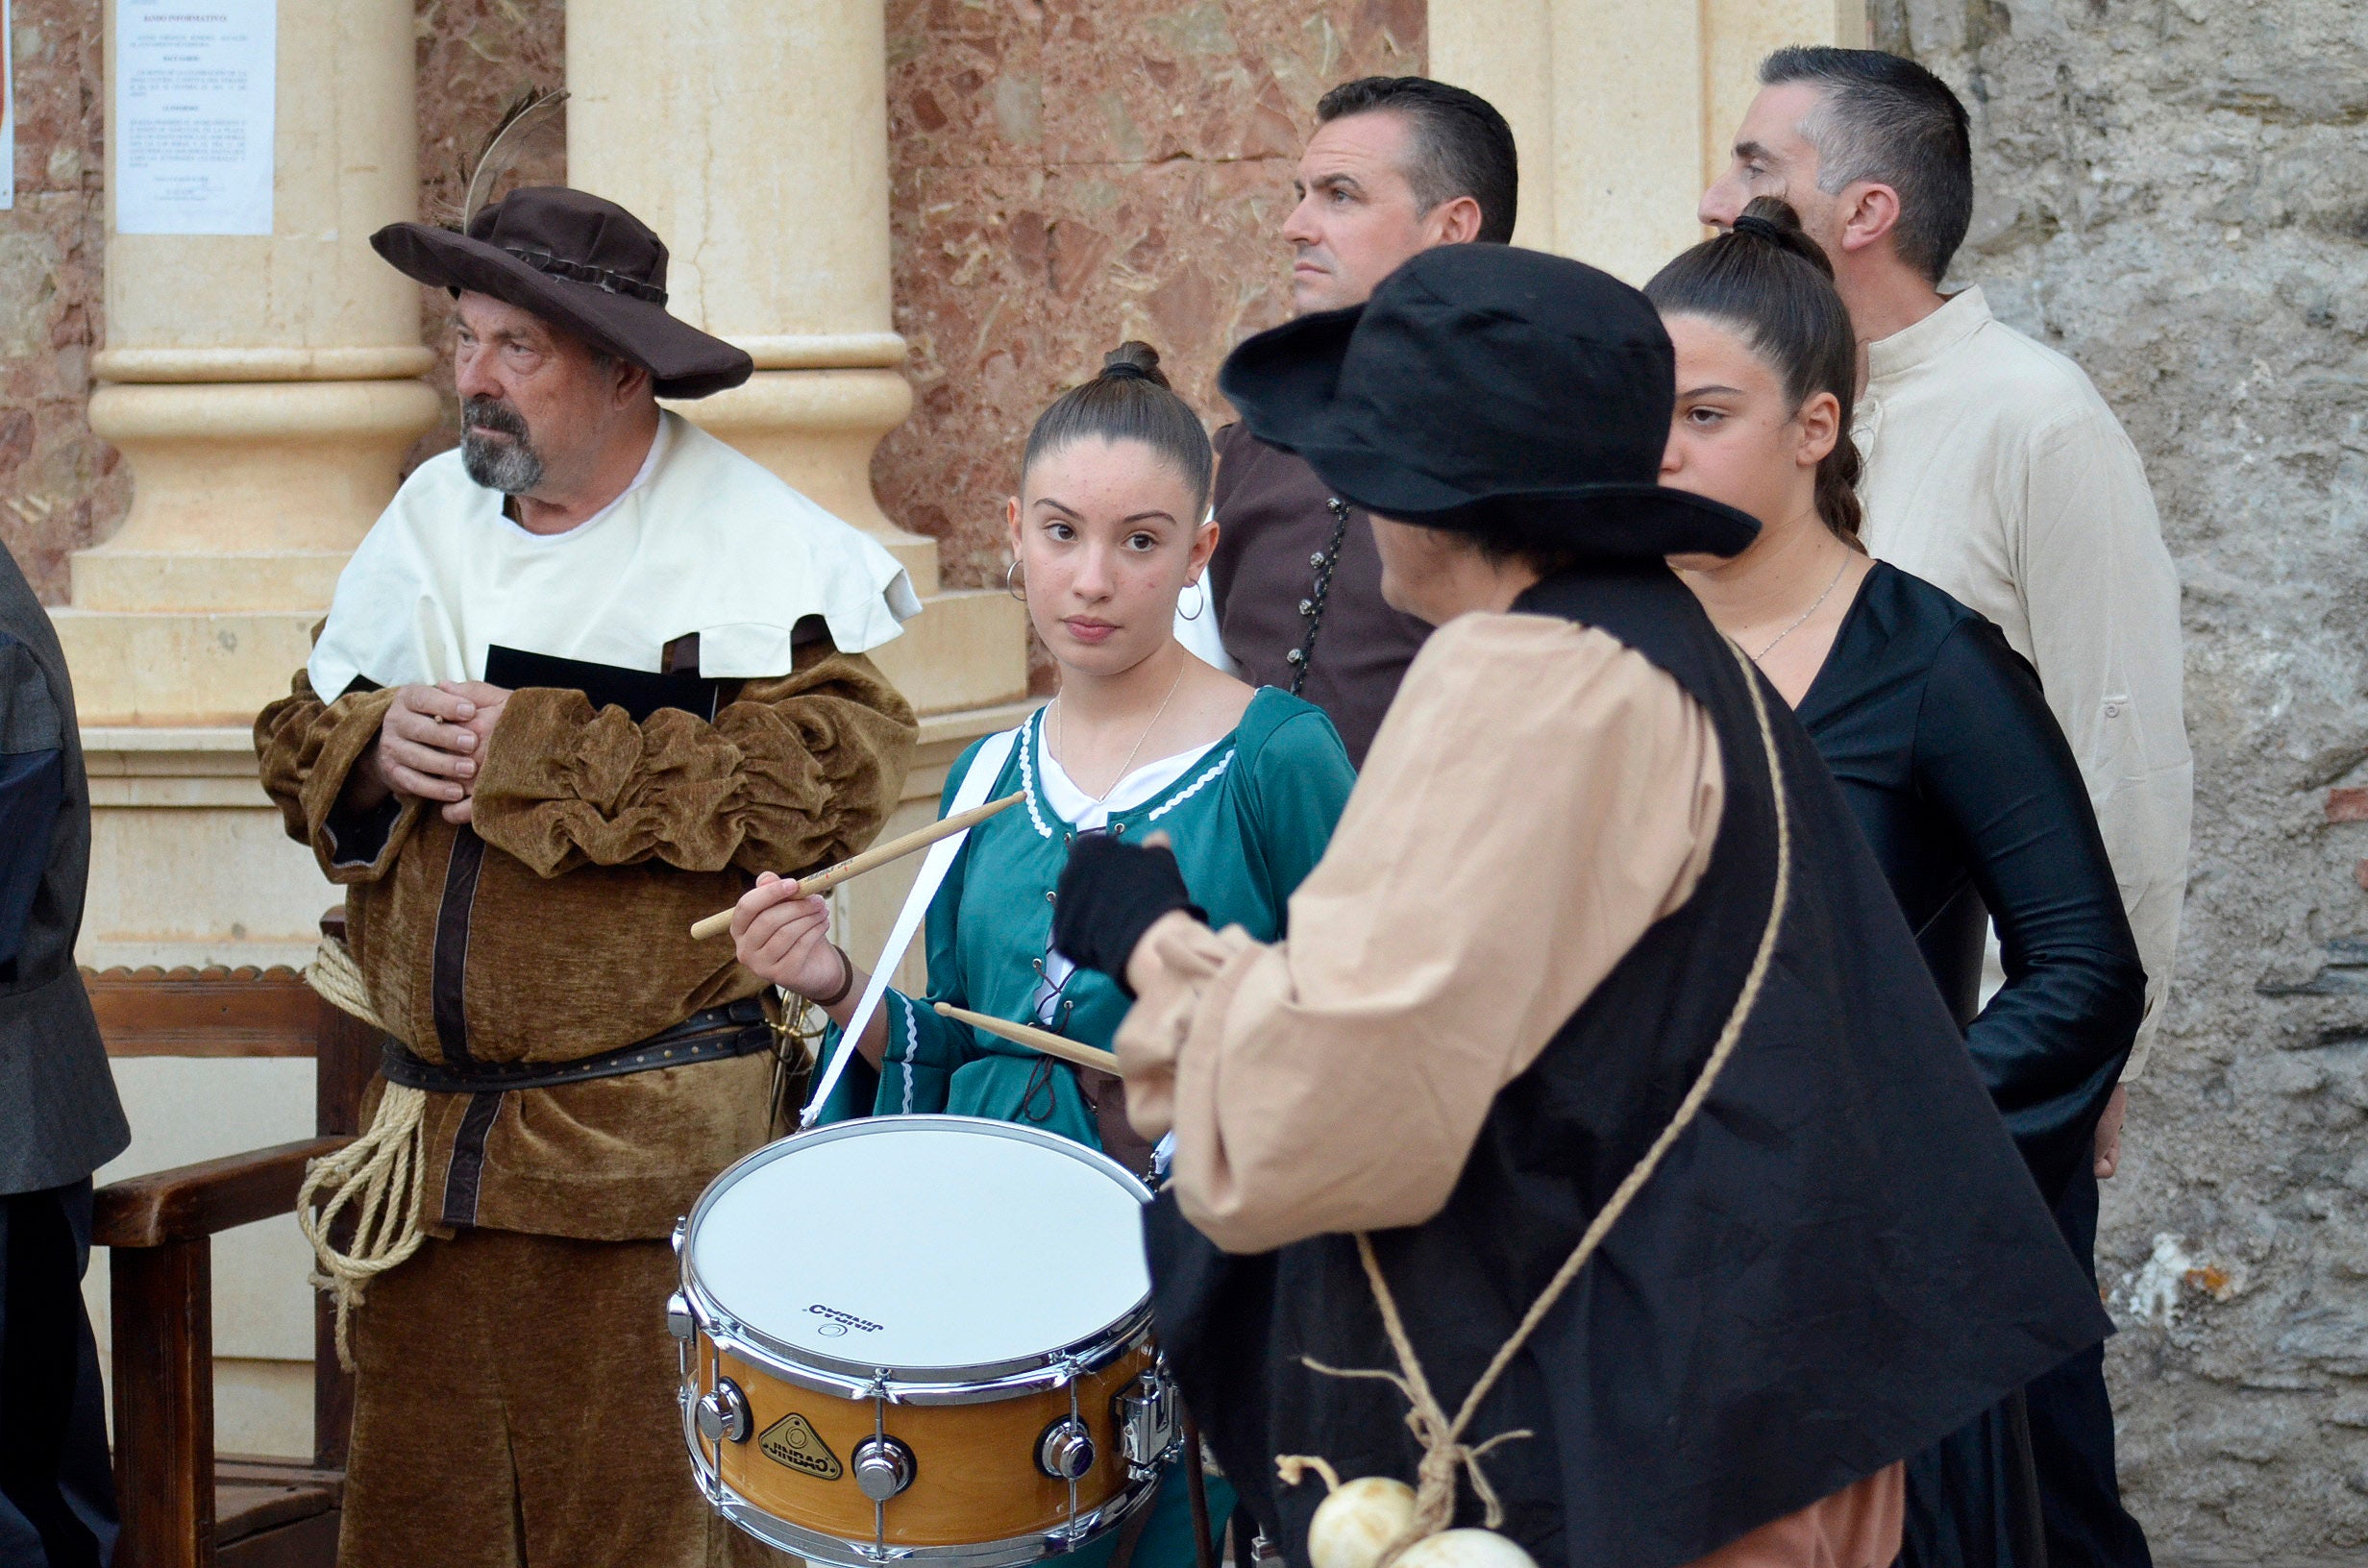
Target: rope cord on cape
x,y
378,1173
1445,1452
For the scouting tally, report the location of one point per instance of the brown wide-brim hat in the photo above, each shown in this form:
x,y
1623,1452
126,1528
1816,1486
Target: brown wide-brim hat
x,y
585,265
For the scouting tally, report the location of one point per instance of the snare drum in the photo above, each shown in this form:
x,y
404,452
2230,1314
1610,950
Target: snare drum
x,y
923,1338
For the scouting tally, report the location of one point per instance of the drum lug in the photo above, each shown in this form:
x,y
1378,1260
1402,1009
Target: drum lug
x,y
1066,1450
883,1467
1147,1424
679,1323
722,1416
682,1228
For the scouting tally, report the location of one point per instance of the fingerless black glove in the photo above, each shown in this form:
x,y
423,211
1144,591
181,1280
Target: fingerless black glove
x,y
1112,891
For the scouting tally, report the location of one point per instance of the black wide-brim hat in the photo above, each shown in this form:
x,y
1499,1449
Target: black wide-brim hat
x,y
585,265
1521,398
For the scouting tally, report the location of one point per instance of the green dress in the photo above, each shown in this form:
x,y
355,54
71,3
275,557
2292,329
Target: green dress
x,y
1250,817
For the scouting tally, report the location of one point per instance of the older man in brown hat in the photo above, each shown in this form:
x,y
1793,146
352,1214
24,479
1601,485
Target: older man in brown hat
x,y
585,677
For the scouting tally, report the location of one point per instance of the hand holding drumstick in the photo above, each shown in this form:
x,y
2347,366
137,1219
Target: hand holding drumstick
x,y
783,933
782,928
871,860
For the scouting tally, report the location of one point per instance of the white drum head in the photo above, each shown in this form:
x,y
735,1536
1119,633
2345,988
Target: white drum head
x,y
922,1244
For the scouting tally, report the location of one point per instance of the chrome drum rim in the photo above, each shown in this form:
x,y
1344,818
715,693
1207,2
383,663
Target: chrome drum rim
x,y
850,1378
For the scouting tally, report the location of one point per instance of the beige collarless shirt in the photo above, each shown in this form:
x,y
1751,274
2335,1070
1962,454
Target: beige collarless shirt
x,y
1996,471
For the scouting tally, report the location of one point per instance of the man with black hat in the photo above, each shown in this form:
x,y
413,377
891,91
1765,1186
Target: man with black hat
x,y
585,677
1665,1213
1397,164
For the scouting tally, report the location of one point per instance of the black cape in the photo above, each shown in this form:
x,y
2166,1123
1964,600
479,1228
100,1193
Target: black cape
x,y
1840,1260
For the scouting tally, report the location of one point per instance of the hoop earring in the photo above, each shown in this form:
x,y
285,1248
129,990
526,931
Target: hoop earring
x,y
1018,591
1196,612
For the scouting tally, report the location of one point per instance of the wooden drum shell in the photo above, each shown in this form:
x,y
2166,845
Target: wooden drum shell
x,y
975,1472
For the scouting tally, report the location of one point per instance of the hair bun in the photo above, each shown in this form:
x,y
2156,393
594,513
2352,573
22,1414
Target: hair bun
x,y
1133,361
1771,220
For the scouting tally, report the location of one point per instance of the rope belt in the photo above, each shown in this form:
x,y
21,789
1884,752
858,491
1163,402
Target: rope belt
x,y
379,1174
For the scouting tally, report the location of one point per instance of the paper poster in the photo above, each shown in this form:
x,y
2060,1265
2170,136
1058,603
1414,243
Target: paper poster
x,y
8,104
195,94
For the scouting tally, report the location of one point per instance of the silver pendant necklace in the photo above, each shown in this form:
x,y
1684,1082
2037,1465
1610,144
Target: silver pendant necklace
x,y
1807,612
1060,733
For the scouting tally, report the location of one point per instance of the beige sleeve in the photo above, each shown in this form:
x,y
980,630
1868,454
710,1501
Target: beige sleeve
x,y
1539,796
2103,600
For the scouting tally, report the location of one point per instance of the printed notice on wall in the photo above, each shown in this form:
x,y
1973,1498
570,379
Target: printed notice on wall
x,y
194,100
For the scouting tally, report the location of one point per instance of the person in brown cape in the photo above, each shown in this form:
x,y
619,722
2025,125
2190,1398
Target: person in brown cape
x,y
1397,165
587,677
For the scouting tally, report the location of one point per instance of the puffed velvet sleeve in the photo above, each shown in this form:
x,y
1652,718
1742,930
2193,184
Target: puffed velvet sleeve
x,y
306,749
793,773
2051,1044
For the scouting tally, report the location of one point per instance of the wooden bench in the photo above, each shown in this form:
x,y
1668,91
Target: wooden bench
x,y
183,1505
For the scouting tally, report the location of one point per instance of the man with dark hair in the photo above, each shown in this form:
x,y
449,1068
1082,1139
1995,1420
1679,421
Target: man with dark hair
x,y
1994,470
1398,165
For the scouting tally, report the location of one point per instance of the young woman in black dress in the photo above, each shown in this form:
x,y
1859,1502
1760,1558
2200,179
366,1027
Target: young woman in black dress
x,y
1938,736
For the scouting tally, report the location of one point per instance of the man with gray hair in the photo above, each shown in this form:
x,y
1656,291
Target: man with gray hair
x,y
1994,470
583,679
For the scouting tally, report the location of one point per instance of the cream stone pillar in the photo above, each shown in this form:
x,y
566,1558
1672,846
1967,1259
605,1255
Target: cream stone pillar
x,y
1623,110
753,138
263,391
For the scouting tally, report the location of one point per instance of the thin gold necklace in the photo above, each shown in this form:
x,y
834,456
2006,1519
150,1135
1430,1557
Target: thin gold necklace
x,y
1060,734
1807,612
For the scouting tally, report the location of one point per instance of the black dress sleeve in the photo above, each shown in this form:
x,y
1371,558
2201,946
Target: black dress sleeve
x,y
1990,759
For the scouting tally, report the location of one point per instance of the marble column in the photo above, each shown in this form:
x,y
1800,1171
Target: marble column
x,y
753,139
1622,108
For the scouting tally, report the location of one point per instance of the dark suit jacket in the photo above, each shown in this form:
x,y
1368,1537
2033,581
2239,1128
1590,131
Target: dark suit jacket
x,y
59,1119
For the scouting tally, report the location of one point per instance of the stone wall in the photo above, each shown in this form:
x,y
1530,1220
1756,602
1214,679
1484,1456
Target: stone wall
x,y
2175,193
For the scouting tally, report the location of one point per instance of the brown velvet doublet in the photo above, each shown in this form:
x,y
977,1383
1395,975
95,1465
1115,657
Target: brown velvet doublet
x,y
557,925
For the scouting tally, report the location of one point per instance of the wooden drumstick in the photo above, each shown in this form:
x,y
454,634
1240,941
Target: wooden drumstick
x,y
1042,1039
871,860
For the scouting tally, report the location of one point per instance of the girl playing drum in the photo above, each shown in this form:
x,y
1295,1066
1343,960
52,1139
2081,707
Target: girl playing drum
x,y
1110,528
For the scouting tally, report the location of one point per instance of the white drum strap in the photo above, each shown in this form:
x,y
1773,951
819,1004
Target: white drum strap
x,y
985,767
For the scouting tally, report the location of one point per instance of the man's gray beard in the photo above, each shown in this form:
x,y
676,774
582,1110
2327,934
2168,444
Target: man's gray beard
x,y
509,466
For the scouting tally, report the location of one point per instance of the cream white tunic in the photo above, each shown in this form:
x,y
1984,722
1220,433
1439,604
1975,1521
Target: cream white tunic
x,y
703,540
1996,472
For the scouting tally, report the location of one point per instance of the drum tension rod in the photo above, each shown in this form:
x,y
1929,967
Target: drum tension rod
x,y
1070,1370
879,1435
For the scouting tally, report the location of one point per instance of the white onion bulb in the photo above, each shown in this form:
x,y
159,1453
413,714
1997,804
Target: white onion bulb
x,y
1357,1523
1463,1549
